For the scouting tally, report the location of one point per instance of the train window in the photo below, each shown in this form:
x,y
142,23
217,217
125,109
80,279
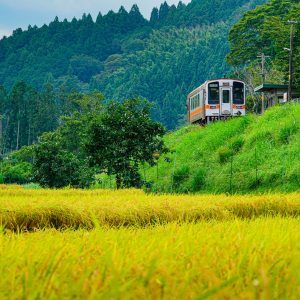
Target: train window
x,y
213,93
193,103
226,96
238,93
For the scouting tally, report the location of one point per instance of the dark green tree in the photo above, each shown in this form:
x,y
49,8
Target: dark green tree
x,y
54,167
266,30
154,16
59,157
122,138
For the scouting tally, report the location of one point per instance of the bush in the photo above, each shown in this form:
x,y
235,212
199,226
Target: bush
x,y
286,132
224,154
19,173
180,177
198,180
237,144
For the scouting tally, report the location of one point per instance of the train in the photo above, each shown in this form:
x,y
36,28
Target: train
x,y
215,100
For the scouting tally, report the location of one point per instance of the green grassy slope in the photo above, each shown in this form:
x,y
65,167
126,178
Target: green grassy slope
x,y
254,153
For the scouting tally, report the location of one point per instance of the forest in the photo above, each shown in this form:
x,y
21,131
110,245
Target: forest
x,y
124,55
266,30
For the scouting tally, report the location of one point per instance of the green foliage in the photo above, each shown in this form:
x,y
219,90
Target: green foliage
x,y
198,182
123,137
123,55
53,166
266,29
59,159
19,173
180,176
17,167
112,138
224,154
287,131
242,155
237,144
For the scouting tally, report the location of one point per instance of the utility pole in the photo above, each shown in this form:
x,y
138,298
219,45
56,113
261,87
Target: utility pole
x,y
263,75
290,90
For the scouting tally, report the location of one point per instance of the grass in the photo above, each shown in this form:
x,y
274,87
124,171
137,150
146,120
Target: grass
x,y
29,210
236,259
252,154
101,244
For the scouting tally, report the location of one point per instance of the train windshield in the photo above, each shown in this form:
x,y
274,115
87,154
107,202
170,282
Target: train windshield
x,y
238,93
213,93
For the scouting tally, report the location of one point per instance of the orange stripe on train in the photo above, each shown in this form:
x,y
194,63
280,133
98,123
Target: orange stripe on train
x,y
197,111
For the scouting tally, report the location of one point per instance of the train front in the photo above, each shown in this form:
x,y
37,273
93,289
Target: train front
x,y
226,98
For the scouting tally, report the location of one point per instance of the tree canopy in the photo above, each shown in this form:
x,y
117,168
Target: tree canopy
x,y
266,30
122,138
123,55
111,138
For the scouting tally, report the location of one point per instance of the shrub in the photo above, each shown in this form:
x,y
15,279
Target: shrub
x,y
198,180
286,132
19,173
224,154
180,176
237,144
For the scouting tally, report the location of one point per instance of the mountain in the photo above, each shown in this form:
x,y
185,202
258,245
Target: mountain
x,y
122,54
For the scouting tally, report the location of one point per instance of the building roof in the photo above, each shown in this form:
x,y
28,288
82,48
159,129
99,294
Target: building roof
x,y
267,87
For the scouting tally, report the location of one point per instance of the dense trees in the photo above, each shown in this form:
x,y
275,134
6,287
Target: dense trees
x,y
124,55
26,113
266,29
113,138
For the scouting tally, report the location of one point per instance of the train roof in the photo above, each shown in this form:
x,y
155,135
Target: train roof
x,y
212,80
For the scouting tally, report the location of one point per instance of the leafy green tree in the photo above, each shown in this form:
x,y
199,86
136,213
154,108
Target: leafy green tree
x,y
53,166
266,29
122,138
59,157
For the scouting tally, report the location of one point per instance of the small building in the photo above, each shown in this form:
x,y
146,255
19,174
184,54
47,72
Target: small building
x,y
276,93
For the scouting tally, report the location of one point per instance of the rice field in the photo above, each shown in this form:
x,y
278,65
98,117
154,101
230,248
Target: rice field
x,y
73,244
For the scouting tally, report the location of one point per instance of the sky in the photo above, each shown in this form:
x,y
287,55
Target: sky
x,y
20,13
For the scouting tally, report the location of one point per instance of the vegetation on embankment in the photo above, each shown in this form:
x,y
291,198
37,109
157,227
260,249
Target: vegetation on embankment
x,y
29,210
239,259
241,155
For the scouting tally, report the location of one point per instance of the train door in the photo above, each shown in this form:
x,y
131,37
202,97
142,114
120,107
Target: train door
x,y
226,101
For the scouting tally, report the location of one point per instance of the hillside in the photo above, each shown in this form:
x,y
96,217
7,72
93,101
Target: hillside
x,y
122,54
255,153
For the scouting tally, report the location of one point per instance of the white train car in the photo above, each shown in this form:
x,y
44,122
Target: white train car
x,y
215,100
